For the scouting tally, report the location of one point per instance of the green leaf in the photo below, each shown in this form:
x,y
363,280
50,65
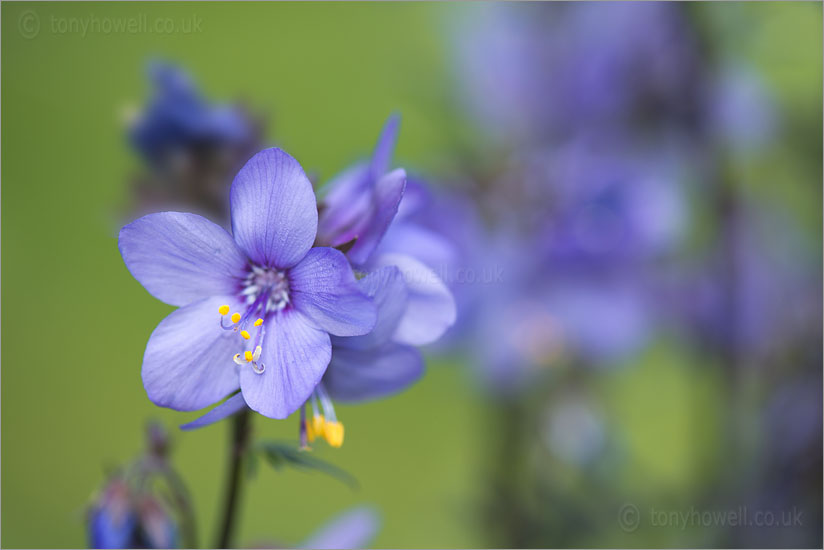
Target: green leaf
x,y
252,464
280,455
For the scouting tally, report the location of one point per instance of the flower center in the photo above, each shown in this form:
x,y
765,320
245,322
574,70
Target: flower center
x,y
267,289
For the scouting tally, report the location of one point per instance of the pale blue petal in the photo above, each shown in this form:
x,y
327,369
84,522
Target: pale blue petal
x,y
358,375
229,407
324,289
295,356
188,361
354,528
386,197
181,258
387,289
274,214
430,309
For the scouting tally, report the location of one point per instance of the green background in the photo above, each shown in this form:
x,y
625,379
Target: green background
x,y
74,323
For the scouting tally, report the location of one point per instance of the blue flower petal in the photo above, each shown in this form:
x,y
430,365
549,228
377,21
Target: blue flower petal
x,y
229,407
180,258
295,356
361,374
354,528
431,308
382,156
386,197
387,289
274,214
323,288
188,361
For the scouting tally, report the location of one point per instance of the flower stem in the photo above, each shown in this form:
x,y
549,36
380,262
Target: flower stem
x,y
241,437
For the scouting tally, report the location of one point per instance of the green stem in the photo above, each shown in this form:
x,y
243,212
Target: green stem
x,y
241,437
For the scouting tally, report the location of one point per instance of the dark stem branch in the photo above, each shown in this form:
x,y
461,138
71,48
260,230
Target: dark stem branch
x,y
241,436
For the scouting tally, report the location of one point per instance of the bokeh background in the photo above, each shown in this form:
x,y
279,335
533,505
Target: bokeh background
x,y
678,376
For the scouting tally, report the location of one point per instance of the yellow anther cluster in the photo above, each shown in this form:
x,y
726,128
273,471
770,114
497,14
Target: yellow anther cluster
x,y
235,317
245,334
223,310
332,432
258,322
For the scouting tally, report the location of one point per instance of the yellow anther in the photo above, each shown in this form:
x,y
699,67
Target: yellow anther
x,y
248,356
333,432
245,334
223,310
310,431
317,424
235,317
258,322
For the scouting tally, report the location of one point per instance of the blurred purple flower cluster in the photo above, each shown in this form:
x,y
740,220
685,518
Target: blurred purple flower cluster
x,y
585,199
617,210
604,143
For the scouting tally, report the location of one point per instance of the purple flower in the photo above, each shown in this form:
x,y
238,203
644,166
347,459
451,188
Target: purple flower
x,y
361,202
256,307
441,228
122,518
354,528
371,366
375,364
178,118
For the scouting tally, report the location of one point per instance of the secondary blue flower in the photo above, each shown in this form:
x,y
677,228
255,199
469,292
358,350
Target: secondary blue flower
x,y
178,118
361,202
360,205
256,307
370,366
441,227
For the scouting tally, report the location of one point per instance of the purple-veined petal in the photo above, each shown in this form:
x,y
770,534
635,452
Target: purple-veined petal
x,y
354,528
323,287
188,360
361,374
227,408
382,155
430,309
346,206
274,215
181,258
295,356
385,200
387,289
